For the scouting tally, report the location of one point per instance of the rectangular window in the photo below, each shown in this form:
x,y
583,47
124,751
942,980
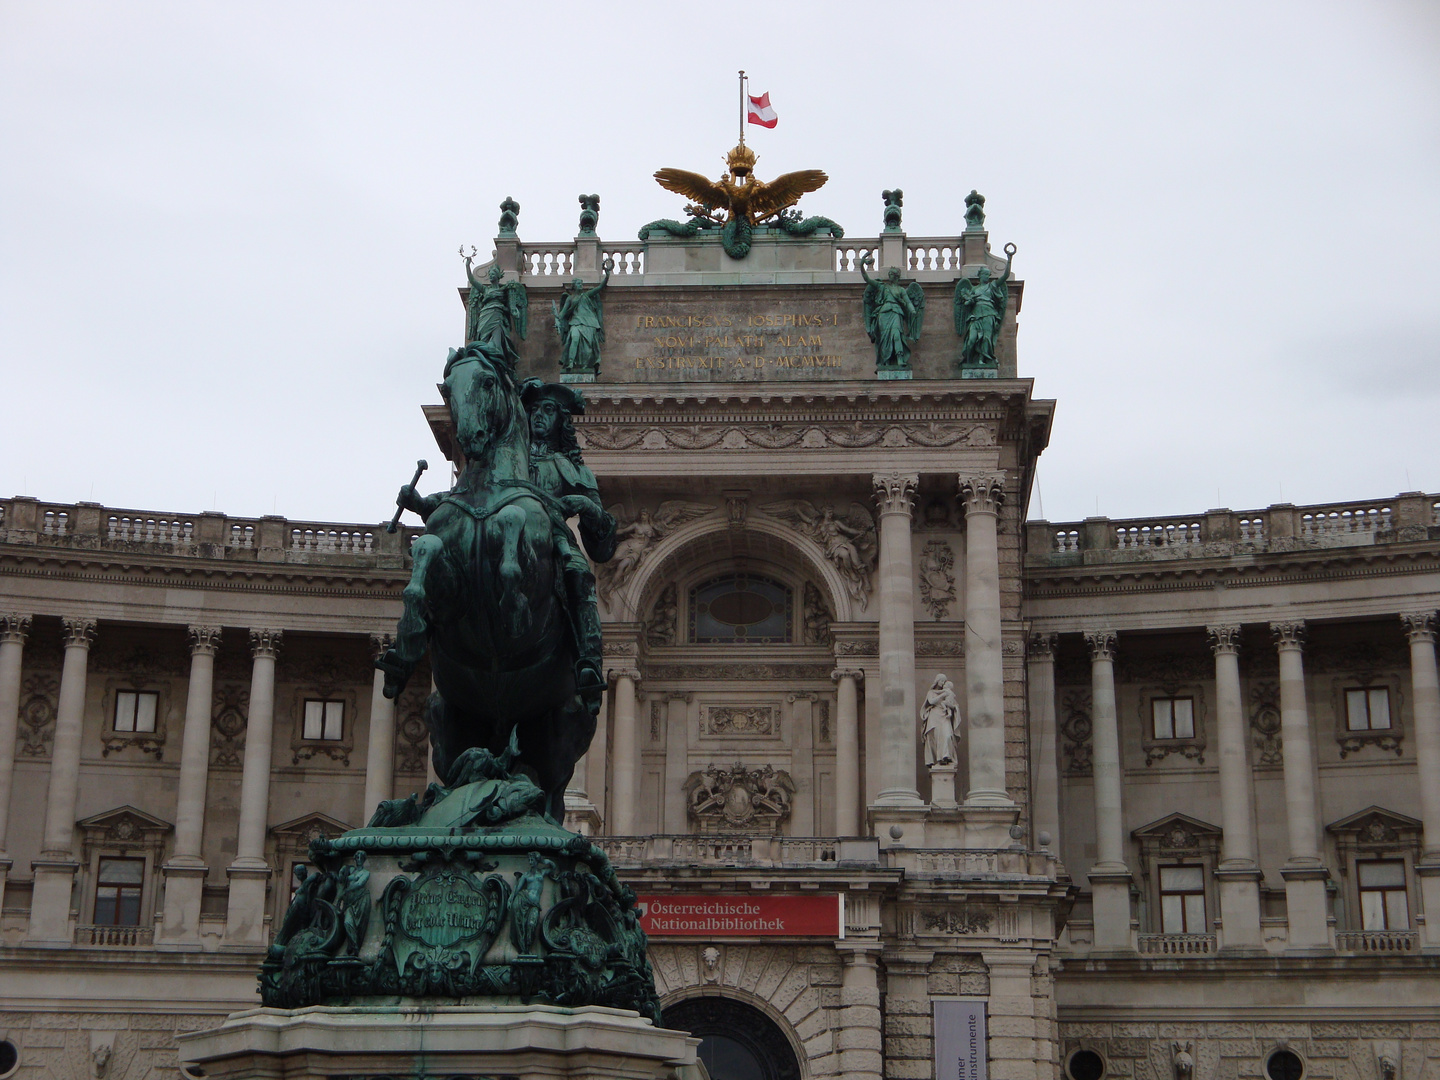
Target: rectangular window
x,y
135,710
324,720
1174,717
1383,901
1182,900
117,892
1367,708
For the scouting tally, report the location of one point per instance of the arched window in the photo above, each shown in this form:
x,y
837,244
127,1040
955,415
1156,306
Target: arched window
x,y
741,609
737,1041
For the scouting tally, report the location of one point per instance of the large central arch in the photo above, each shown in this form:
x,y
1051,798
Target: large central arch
x,y
705,539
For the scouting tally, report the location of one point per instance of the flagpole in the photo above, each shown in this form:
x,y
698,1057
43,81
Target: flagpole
x,y
742,106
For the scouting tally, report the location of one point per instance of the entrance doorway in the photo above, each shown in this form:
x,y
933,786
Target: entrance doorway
x,y
737,1041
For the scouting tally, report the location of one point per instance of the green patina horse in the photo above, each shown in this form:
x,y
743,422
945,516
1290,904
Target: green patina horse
x,y
486,595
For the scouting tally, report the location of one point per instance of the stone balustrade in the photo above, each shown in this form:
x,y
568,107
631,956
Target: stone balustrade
x,y
1377,941
203,536
115,937
736,849
1407,517
1176,944
928,258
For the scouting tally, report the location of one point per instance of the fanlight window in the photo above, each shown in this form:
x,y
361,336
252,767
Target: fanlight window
x,y
738,609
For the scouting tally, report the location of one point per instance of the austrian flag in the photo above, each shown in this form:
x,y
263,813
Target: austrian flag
x,y
760,111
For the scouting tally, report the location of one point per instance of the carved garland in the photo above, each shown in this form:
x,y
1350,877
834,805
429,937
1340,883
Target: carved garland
x,y
782,436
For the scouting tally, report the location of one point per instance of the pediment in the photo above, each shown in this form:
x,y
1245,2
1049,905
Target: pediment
x,y
1178,832
1376,825
306,828
124,824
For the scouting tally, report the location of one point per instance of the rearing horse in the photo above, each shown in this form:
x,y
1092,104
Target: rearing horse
x,y
486,596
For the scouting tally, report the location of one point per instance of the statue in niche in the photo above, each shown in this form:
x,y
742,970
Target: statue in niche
x,y
558,469
893,201
496,312
1181,1061
974,212
937,578
664,617
848,542
589,214
894,314
580,322
817,616
509,217
980,312
941,714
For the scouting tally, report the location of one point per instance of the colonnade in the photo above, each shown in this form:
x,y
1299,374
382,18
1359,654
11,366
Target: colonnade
x,y
185,871
1238,873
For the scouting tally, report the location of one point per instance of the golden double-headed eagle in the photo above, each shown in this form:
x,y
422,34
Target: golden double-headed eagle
x,y
739,194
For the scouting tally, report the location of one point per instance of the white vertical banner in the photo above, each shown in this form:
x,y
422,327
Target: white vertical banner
x,y
960,1040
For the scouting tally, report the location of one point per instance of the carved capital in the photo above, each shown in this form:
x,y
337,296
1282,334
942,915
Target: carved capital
x,y
847,673
626,671
982,494
265,642
1042,646
78,632
1224,640
204,640
1419,625
895,492
379,644
14,627
1289,635
1102,644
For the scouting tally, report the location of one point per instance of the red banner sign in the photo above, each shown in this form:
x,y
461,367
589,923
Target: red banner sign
x,y
743,916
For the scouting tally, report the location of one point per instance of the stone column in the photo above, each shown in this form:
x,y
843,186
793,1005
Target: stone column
x,y
1110,876
860,1038
847,751
245,917
55,869
597,760
899,744
802,762
380,750
623,794
185,872
1304,871
1238,873
14,628
1425,688
1043,727
983,496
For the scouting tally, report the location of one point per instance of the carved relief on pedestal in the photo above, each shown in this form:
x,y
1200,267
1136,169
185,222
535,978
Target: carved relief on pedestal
x,y
937,578
846,535
755,800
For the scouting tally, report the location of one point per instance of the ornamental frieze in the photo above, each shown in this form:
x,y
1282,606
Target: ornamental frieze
x,y
782,436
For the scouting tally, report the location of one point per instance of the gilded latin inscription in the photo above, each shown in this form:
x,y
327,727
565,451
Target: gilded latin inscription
x,y
733,342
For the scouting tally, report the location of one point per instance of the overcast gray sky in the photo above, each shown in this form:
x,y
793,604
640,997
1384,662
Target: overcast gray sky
x,y
228,231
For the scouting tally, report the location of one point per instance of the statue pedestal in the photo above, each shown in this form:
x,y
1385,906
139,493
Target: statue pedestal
x,y
414,1038
942,785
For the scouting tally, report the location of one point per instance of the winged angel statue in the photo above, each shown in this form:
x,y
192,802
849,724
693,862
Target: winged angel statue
x,y
639,535
894,314
738,202
496,312
848,542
